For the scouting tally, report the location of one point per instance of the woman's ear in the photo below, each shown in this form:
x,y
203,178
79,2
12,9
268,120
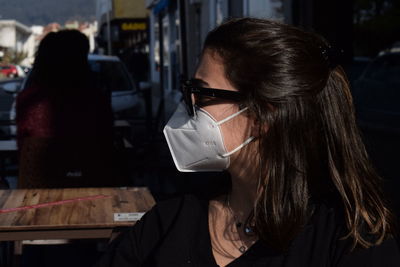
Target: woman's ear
x,y
255,130
258,127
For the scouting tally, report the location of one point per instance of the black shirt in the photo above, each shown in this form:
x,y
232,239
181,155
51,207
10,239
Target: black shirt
x,y
175,233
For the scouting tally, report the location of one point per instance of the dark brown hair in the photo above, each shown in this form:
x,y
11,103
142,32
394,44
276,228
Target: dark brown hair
x,y
312,150
61,61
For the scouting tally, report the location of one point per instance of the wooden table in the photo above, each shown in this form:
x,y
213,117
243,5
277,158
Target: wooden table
x,y
79,219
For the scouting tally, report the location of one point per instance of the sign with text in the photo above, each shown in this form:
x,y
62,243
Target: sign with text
x,y
134,26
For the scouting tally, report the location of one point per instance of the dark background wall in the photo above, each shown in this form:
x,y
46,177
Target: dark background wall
x,y
331,19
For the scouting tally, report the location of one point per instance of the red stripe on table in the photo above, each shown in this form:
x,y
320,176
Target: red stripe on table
x,y
54,203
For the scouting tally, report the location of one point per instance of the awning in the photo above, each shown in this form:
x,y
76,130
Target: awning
x,y
160,6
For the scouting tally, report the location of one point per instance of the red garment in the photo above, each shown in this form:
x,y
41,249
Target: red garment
x,y
64,138
34,114
79,113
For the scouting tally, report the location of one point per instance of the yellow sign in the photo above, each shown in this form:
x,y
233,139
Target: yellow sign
x,y
129,9
134,26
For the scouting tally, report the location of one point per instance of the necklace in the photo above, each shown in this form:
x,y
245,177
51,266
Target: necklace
x,y
238,224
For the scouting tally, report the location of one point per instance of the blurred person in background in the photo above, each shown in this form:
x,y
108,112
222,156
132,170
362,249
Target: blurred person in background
x,y
270,105
64,123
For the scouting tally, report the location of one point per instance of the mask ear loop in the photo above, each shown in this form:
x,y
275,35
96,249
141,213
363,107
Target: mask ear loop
x,y
232,116
247,141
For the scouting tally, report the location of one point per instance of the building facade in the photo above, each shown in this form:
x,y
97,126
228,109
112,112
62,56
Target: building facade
x,y
123,31
21,39
15,37
123,26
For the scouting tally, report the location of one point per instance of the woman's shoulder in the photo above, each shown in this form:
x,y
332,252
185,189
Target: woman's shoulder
x,y
385,254
169,210
170,221
328,229
31,94
179,206
164,233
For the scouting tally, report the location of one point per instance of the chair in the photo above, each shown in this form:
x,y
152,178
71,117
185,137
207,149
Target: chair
x,y
65,162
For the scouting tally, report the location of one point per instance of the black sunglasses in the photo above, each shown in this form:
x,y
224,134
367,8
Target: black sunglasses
x,y
192,86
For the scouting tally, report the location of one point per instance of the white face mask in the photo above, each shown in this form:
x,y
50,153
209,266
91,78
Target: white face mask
x,y
196,143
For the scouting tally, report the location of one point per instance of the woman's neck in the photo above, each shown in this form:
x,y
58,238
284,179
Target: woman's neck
x,y
228,219
243,193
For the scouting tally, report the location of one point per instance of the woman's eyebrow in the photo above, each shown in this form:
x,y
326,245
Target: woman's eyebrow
x,y
200,81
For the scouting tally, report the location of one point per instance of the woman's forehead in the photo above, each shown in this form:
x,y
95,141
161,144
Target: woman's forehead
x,y
210,62
211,70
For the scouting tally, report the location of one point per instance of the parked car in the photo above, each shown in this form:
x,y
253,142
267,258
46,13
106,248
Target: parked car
x,y
356,68
9,71
20,71
6,103
25,69
377,99
109,74
377,94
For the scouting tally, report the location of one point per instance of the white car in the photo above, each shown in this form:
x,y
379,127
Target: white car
x,y
109,73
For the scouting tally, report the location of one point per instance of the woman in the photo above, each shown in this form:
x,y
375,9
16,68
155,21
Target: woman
x,y
64,122
268,104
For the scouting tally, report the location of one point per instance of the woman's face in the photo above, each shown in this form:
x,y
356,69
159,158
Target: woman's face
x,y
235,131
